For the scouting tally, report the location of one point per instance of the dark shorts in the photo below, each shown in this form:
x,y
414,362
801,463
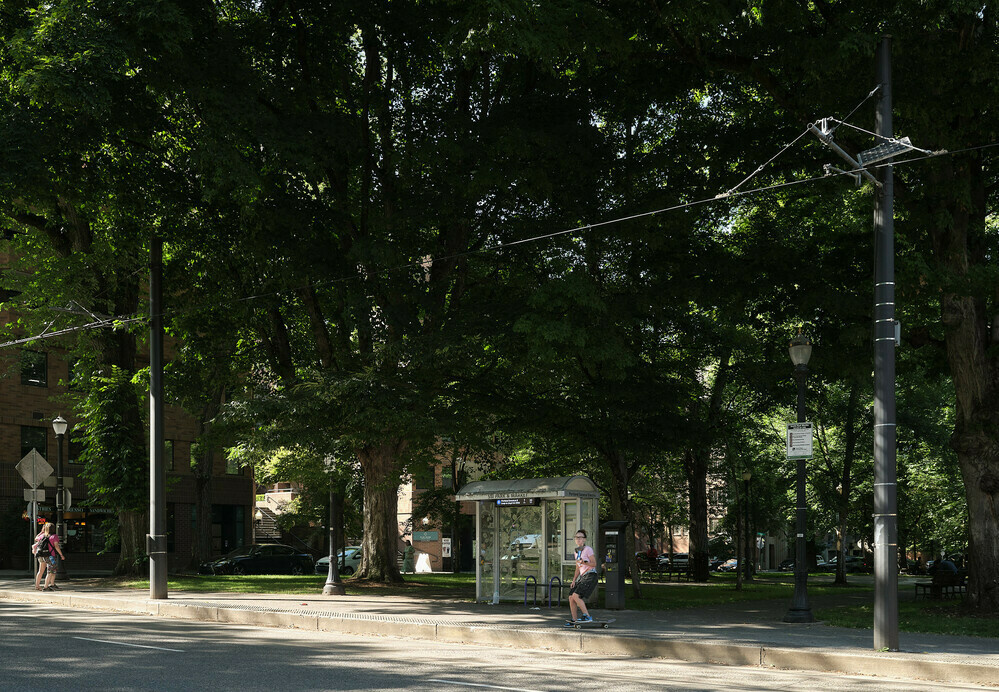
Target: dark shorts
x,y
585,585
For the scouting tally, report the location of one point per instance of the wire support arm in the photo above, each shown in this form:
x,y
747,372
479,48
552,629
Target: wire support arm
x,y
854,164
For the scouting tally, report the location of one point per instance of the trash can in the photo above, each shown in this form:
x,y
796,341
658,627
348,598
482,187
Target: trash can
x,y
615,552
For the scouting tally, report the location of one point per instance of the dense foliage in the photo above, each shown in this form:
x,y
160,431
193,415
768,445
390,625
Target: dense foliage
x,y
398,231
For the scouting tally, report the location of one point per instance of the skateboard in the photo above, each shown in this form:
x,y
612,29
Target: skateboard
x,y
593,623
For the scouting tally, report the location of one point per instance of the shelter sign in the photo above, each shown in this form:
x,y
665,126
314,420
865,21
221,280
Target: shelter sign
x,y
799,440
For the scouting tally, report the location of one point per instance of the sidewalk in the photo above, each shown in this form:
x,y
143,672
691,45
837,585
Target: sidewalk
x,y
749,633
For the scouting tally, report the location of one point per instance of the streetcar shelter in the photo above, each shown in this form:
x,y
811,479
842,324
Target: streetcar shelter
x,y
524,533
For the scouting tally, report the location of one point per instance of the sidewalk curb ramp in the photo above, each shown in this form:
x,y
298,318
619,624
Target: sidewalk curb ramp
x,y
888,664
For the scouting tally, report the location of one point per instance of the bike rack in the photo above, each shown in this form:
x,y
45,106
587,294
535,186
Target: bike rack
x,y
550,581
529,579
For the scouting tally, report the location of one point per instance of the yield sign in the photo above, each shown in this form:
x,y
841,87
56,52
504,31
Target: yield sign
x,y
33,468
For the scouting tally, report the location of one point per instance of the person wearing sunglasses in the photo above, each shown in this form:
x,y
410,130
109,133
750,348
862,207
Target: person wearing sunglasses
x,y
584,581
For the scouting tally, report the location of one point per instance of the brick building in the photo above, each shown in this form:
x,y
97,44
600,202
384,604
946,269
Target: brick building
x,y
32,394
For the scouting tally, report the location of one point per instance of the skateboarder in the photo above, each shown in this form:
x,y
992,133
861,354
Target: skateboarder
x,y
584,581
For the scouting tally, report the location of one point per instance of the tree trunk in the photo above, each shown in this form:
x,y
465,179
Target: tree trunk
x,y
696,466
132,528
845,480
971,338
623,508
381,498
201,546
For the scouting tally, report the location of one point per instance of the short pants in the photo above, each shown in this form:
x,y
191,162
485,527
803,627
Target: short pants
x,y
585,585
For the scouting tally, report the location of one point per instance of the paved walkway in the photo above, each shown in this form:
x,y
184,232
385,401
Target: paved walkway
x,y
748,633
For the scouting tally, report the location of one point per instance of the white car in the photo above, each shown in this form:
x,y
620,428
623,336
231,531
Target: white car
x,y
350,560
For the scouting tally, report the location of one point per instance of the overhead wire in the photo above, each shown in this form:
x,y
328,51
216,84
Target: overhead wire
x,y
126,320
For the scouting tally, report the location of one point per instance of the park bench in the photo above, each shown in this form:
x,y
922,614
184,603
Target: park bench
x,y
928,589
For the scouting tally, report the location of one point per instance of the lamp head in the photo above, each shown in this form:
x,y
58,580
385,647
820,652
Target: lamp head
x,y
800,350
747,474
60,425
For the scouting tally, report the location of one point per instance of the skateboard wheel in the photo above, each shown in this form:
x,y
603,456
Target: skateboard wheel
x,y
579,627
605,625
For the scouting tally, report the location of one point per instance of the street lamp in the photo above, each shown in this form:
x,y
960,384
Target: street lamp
x,y
748,550
800,611
258,520
59,425
333,585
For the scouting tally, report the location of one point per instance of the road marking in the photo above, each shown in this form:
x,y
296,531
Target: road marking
x,y
475,684
139,646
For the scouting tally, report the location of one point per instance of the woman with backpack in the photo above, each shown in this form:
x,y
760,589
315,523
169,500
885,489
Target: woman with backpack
x,y
45,549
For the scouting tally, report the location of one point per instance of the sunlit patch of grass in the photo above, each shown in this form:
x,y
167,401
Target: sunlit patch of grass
x,y
932,617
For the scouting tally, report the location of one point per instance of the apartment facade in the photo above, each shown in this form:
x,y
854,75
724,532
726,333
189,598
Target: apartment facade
x,y
32,393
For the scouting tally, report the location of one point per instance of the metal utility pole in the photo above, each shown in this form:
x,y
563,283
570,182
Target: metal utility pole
x,y
885,487
156,540
333,585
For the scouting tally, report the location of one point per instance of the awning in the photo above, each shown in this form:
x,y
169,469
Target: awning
x,y
570,486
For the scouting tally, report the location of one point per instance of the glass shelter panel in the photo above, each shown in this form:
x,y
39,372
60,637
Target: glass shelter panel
x,y
487,549
554,542
520,549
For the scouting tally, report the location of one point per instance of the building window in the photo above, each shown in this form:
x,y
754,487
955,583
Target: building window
x,y
447,477
232,466
34,438
168,454
34,368
75,449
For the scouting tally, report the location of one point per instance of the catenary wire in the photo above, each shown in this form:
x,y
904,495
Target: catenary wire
x,y
121,321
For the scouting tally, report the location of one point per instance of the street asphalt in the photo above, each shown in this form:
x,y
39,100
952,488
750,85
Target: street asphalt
x,y
745,634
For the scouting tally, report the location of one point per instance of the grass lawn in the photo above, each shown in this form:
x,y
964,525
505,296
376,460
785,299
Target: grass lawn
x,y
721,589
460,587
934,617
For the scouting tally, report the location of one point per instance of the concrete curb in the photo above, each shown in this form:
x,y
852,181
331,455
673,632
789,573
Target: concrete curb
x,y
591,641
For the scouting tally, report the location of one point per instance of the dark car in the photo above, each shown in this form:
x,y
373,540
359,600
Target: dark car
x,y
268,558
786,565
852,563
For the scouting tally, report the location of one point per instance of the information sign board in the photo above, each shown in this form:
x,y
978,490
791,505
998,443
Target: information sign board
x,y
799,440
517,502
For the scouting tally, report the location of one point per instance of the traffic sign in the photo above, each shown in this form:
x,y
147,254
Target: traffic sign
x,y
36,495
33,468
799,440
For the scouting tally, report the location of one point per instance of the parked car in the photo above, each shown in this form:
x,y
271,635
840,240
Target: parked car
x,y
350,560
852,563
267,558
730,565
680,561
787,565
715,563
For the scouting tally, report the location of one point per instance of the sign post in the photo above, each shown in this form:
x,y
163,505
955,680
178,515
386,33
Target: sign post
x,y
34,470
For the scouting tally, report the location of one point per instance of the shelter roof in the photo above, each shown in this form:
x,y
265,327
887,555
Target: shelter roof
x,y
568,486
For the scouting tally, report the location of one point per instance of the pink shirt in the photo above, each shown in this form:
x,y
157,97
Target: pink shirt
x,y
584,558
53,543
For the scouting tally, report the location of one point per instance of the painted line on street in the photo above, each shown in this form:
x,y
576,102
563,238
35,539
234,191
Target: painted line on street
x,y
138,646
475,684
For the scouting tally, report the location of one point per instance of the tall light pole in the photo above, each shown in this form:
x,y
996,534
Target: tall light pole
x,y
333,585
59,425
750,543
800,611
